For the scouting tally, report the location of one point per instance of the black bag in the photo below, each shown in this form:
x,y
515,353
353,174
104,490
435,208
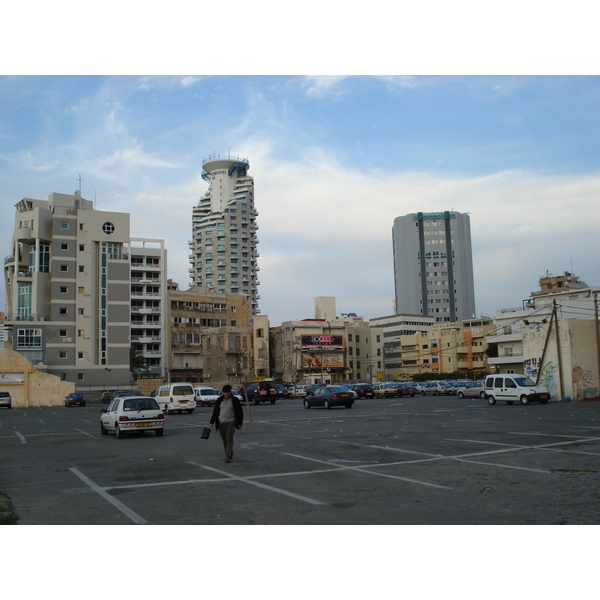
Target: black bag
x,y
205,433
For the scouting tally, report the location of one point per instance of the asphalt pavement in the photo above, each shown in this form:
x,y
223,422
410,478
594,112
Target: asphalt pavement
x,y
418,461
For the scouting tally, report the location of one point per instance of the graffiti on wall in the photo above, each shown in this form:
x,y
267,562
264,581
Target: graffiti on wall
x,y
532,367
548,378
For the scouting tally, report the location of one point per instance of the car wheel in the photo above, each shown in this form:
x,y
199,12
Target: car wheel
x,y
159,432
524,399
103,429
461,395
118,432
272,401
326,404
306,404
348,405
256,401
482,394
190,411
422,393
491,400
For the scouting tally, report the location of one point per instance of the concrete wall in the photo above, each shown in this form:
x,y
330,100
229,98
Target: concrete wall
x,y
28,386
575,368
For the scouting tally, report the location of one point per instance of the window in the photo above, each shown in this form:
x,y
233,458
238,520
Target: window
x,y
108,228
63,311
64,225
62,354
64,268
64,246
64,289
62,333
29,338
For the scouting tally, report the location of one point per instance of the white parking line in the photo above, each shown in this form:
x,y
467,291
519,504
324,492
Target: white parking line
x,y
263,486
366,470
21,437
85,433
116,503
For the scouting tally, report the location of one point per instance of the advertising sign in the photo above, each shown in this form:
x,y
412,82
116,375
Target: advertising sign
x,y
318,362
322,342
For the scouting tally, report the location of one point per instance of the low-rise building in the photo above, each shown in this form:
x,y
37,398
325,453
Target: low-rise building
x,y
448,348
211,337
311,351
393,328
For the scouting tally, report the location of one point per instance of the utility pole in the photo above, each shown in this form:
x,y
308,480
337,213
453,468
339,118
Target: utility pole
x,y
558,352
597,332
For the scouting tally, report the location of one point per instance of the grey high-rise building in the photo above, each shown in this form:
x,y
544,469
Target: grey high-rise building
x,y
433,266
223,249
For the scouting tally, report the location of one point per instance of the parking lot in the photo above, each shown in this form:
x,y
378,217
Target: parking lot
x,y
422,460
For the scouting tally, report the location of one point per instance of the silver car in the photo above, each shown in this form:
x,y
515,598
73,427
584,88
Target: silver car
x,y
472,390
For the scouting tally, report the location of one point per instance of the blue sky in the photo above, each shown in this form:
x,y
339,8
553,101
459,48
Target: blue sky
x,y
335,160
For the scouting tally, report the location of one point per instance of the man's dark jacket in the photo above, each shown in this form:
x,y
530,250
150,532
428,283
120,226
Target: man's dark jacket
x,y
238,413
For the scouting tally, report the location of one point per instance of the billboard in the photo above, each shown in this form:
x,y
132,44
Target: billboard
x,y
322,342
322,361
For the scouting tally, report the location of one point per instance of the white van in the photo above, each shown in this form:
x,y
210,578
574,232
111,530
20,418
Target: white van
x,y
513,388
176,397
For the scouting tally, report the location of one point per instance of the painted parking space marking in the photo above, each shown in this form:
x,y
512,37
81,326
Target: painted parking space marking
x,y
85,433
21,437
104,494
366,470
263,485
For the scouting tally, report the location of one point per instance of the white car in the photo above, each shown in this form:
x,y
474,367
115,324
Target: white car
x,y
132,413
205,396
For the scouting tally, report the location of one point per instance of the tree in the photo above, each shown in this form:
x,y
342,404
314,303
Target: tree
x,y
137,362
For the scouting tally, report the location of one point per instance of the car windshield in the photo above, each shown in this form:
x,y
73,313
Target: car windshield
x,y
140,404
524,382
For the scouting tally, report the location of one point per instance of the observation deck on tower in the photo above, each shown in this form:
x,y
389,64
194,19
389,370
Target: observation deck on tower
x,y
218,162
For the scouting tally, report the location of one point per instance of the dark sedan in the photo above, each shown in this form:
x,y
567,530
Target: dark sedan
x,y
328,396
364,390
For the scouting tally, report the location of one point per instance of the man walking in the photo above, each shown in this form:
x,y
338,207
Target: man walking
x,y
228,416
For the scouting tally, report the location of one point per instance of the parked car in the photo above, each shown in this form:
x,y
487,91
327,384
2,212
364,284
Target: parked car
x,y
475,389
348,387
5,400
74,399
454,386
511,388
298,391
282,390
363,390
132,413
310,389
408,389
260,391
205,395
436,388
328,396
386,390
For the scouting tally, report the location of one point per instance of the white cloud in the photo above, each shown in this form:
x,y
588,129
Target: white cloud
x,y
323,85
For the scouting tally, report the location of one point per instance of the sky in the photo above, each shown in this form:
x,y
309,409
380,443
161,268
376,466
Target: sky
x,y
335,159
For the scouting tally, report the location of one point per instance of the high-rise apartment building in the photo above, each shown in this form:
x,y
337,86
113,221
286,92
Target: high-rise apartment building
x,y
69,295
433,266
223,249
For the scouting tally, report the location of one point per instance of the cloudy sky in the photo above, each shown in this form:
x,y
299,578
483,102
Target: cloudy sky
x,y
334,159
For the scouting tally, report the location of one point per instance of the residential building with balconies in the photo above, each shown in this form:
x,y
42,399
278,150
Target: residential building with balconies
x,y
223,249
67,290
